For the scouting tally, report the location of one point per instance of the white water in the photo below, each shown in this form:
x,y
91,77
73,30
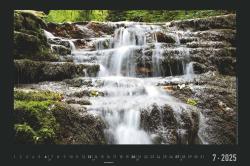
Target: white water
x,y
189,71
125,94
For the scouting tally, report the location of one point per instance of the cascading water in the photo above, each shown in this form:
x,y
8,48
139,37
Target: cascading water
x,y
189,71
125,94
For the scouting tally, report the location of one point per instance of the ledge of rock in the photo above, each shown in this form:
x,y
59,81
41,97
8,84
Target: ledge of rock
x,y
215,22
28,71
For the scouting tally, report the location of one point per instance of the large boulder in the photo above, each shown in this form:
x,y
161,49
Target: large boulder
x,y
27,21
77,127
29,39
31,46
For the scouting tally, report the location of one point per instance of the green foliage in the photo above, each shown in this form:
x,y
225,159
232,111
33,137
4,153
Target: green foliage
x,y
129,15
116,15
46,135
24,134
192,102
33,116
94,93
35,113
76,15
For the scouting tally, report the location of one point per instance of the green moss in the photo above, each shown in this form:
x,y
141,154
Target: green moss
x,y
39,116
33,116
35,113
94,93
37,95
192,102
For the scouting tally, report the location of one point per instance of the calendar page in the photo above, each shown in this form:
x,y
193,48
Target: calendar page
x,y
107,86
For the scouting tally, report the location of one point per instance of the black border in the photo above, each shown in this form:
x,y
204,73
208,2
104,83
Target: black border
x,y
7,83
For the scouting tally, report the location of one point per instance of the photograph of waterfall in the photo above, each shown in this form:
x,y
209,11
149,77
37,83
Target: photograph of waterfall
x,y
125,77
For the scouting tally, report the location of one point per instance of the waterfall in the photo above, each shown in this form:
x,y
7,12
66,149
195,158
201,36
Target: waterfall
x,y
126,95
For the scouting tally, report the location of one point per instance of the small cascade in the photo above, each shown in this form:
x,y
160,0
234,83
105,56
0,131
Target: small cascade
x,y
49,35
72,45
189,71
57,42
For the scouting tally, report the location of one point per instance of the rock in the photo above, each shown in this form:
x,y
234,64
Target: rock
x,y
216,100
223,35
220,59
164,38
168,88
78,128
50,121
68,30
77,101
27,71
88,93
225,65
181,86
28,21
61,50
33,47
29,39
188,39
199,68
143,71
217,44
59,41
214,22
162,122
101,28
80,43
78,82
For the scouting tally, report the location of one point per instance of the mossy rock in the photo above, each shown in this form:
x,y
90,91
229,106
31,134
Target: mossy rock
x,y
77,128
192,102
37,95
40,117
32,46
29,39
28,20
